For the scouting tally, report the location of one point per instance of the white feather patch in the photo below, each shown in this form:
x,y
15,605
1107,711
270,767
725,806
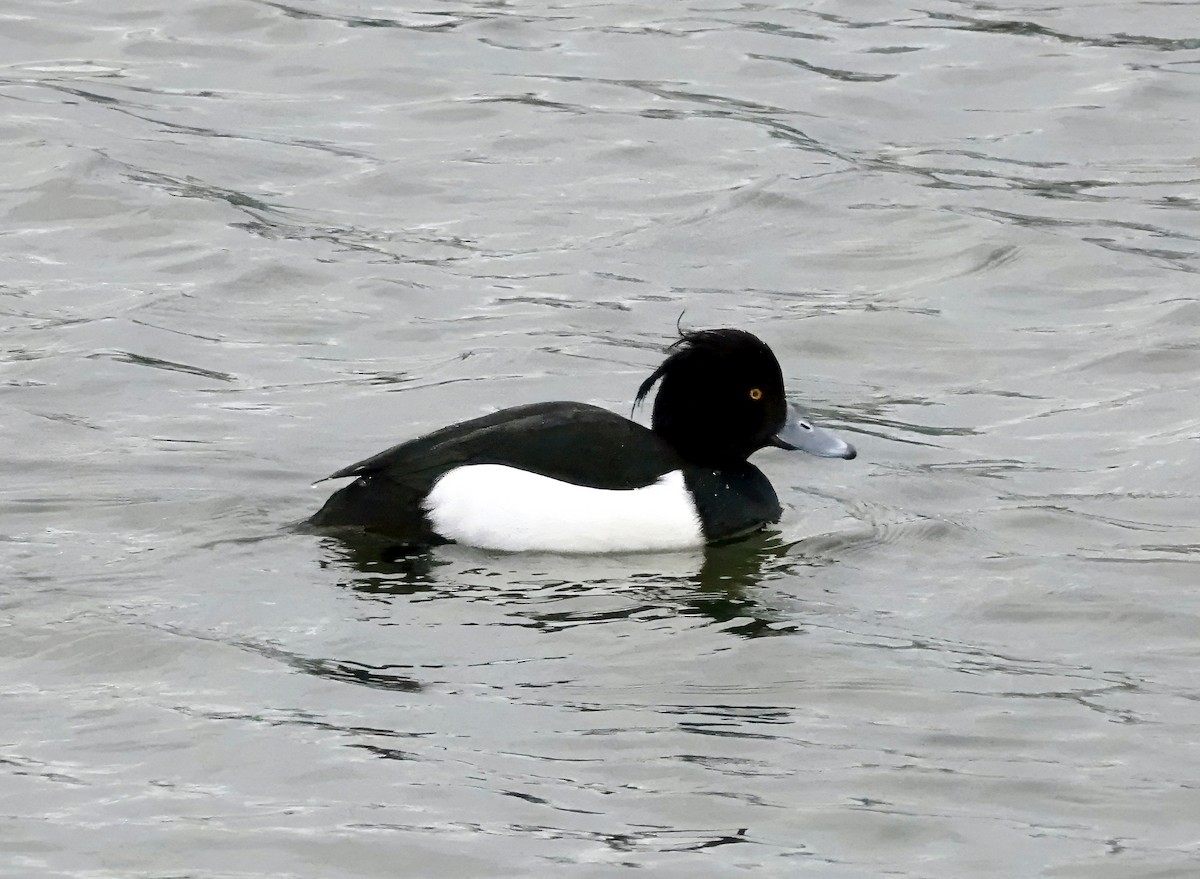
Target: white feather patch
x,y
497,507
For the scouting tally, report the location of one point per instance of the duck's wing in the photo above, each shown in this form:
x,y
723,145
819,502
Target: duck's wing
x,y
573,442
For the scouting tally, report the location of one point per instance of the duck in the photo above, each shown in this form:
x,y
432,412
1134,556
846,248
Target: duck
x,y
569,477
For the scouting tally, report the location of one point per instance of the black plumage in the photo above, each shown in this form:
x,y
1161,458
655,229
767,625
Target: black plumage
x,y
720,399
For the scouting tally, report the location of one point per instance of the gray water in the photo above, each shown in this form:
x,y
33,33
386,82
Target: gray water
x,y
246,243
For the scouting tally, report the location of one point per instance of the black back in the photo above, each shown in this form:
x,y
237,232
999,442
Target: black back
x,y
573,442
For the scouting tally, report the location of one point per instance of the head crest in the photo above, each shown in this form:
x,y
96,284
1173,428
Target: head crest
x,y
690,344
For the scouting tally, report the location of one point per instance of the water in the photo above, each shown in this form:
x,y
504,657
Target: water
x,y
246,243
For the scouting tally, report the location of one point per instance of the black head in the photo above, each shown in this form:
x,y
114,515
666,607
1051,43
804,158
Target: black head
x,y
721,397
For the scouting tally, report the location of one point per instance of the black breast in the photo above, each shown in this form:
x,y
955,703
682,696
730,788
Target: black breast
x,y
733,501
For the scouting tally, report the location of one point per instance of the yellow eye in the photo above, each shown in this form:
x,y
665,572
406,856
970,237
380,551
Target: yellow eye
x,y
755,394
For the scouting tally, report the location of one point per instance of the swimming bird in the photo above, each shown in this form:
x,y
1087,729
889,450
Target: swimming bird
x,y
571,477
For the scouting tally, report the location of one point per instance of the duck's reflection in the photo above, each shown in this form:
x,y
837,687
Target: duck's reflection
x,y
717,582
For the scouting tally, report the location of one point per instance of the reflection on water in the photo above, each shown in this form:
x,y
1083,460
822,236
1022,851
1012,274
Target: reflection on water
x,y
382,677
718,583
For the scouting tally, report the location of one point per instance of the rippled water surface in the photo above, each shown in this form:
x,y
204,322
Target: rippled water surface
x,y
246,243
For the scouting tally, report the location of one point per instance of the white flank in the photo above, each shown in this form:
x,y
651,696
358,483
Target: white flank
x,y
497,507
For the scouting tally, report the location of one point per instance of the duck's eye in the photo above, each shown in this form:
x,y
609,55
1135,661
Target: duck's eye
x,y
755,393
